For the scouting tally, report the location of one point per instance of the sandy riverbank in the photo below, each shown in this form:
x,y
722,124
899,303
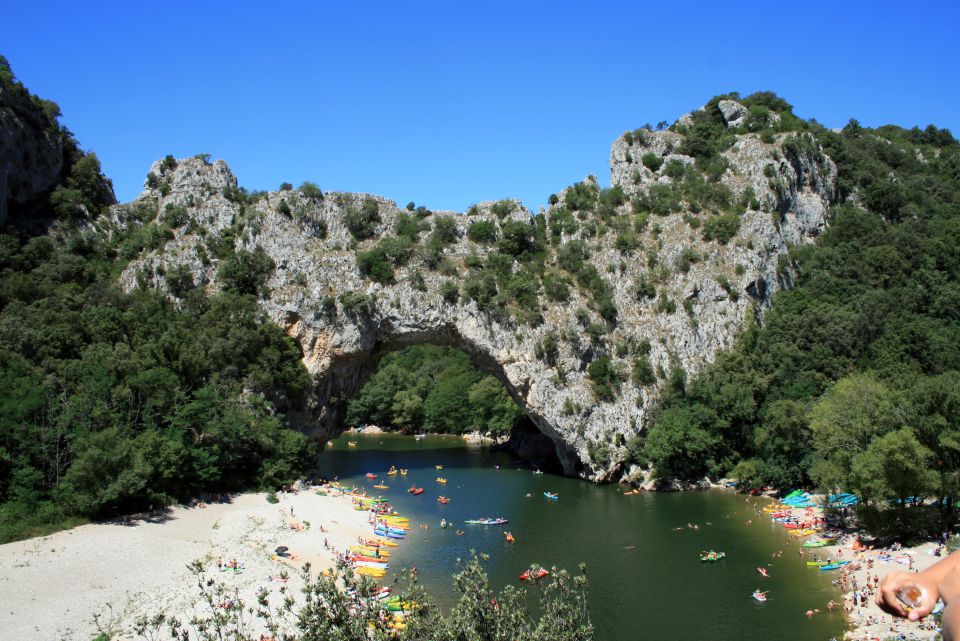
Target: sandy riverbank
x,y
867,622
50,587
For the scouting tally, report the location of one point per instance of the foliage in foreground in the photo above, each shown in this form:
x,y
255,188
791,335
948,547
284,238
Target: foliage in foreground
x,y
554,609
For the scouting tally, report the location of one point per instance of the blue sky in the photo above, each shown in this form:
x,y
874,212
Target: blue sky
x,y
449,103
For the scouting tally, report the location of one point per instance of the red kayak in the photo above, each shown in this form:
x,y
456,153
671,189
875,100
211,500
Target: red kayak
x,y
415,490
371,476
539,575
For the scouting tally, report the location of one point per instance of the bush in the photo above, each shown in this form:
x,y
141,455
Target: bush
x,y
246,272
651,161
518,238
450,292
721,228
555,287
356,304
581,197
362,222
375,265
604,379
311,190
502,208
445,230
675,169
483,231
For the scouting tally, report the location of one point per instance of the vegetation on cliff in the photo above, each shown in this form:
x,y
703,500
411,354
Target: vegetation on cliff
x,y
853,379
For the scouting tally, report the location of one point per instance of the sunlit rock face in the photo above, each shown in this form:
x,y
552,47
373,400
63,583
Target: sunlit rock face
x,y
344,322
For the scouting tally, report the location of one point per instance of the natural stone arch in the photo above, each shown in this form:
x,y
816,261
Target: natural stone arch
x,y
308,240
323,416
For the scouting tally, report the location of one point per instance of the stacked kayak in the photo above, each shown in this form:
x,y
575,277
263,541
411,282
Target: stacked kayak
x,y
842,500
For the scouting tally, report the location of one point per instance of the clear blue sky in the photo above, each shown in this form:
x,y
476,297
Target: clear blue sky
x,y
448,103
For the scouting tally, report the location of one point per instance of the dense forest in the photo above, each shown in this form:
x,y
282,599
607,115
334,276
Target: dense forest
x,y
435,389
111,401
852,380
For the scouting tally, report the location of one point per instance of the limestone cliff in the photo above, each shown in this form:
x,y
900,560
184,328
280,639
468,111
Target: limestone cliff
x,y
684,256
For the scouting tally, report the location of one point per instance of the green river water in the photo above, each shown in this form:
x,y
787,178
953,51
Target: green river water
x,y
646,580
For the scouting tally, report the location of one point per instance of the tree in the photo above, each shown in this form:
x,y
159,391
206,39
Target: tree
x,y
844,422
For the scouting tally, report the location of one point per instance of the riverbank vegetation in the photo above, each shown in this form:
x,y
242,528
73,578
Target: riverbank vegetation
x,y
853,379
429,388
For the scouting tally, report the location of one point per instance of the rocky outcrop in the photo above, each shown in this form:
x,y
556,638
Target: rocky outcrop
x,y
31,147
680,298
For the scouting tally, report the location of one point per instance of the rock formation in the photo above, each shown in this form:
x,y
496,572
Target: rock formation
x,y
679,297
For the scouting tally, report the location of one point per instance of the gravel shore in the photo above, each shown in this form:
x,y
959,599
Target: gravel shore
x,y
52,586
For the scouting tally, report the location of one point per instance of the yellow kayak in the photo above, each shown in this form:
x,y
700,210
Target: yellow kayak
x,y
371,572
441,480
382,487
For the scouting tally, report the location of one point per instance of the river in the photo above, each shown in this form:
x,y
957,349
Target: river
x,y
646,581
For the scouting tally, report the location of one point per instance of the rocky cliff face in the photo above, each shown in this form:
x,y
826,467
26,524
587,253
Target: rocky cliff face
x,y
31,147
683,277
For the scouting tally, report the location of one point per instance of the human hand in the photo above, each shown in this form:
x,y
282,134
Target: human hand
x,y
918,587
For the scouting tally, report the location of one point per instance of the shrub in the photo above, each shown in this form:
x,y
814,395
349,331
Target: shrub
x,y
283,208
675,169
408,226
688,256
645,289
449,291
398,249
581,197
651,161
482,289
375,265
626,242
445,230
311,190
503,208
246,272
721,228
517,238
555,287
665,305
604,379
356,304
362,222
285,186
482,231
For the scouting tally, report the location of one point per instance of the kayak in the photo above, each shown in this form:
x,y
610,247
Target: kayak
x,y
371,476
387,543
819,544
712,556
381,486
443,500
441,480
499,521
389,534
834,566
415,491
539,574
550,495
817,563
759,596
